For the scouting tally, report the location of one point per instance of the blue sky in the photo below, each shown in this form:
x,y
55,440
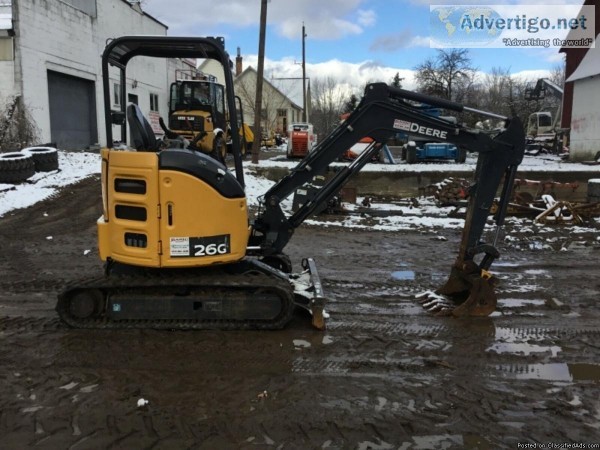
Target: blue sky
x,y
352,40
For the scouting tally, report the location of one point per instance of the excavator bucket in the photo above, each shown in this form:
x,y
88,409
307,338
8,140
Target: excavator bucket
x,y
468,291
471,291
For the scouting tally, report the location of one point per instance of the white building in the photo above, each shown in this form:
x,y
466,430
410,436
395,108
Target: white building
x,y
50,56
585,116
581,98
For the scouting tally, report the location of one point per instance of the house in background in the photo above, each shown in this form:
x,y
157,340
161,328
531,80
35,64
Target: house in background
x,y
50,61
581,99
278,110
214,68
282,101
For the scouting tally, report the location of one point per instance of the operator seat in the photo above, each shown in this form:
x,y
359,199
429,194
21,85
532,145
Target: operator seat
x,y
142,133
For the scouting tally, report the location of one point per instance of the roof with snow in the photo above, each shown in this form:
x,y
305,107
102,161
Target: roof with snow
x,y
589,65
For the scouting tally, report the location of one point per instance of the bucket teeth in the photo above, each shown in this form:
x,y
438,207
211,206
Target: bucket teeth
x,y
436,304
464,294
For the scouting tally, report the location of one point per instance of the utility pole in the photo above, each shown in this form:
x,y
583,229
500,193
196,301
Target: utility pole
x,y
259,82
304,119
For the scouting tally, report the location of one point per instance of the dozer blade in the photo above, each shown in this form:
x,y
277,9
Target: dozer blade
x,y
468,292
308,293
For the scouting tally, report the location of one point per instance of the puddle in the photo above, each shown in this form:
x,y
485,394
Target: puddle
x,y
521,288
404,275
555,372
537,272
438,441
31,409
509,340
88,389
69,386
524,349
368,445
327,340
519,302
301,343
507,264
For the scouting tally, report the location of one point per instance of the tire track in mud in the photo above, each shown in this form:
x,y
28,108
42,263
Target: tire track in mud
x,y
12,324
385,373
32,285
466,404
508,341
419,358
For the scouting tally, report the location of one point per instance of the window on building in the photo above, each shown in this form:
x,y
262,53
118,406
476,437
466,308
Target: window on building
x,y
282,113
117,94
6,49
154,102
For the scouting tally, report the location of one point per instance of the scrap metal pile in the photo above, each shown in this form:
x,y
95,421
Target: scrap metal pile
x,y
543,205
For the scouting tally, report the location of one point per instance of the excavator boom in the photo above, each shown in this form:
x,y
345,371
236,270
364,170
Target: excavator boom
x,y
383,112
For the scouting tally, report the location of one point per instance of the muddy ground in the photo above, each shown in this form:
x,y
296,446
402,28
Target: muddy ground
x,y
384,375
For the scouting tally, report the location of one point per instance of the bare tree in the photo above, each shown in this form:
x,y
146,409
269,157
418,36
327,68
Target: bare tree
x,y
328,101
449,75
557,74
504,94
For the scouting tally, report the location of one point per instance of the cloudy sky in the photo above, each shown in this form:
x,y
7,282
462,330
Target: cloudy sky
x,y
353,40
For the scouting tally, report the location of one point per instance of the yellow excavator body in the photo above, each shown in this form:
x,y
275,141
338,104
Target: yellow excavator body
x,y
169,216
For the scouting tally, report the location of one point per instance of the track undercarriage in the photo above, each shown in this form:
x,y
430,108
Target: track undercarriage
x,y
241,296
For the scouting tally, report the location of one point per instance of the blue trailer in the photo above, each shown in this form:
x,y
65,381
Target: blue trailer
x,y
433,150
419,149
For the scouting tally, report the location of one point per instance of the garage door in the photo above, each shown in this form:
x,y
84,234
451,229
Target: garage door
x,y
73,124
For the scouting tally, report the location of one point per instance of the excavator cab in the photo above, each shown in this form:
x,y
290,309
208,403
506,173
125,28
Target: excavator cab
x,y
154,197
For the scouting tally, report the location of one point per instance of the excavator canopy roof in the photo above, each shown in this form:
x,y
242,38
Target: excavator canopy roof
x,y
119,51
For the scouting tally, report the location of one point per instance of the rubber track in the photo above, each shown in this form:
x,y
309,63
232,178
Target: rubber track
x,y
222,281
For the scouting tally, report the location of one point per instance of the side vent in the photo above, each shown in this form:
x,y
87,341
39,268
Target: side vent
x,y
136,240
128,186
126,212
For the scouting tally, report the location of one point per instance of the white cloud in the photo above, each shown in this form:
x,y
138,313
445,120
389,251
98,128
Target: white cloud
x,y
326,28
332,19
497,2
548,54
396,41
351,76
531,75
367,18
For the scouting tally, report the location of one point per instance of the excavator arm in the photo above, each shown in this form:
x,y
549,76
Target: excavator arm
x,y
543,85
384,111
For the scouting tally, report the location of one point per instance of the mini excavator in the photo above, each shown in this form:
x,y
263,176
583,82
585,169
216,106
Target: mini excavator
x,y
180,250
